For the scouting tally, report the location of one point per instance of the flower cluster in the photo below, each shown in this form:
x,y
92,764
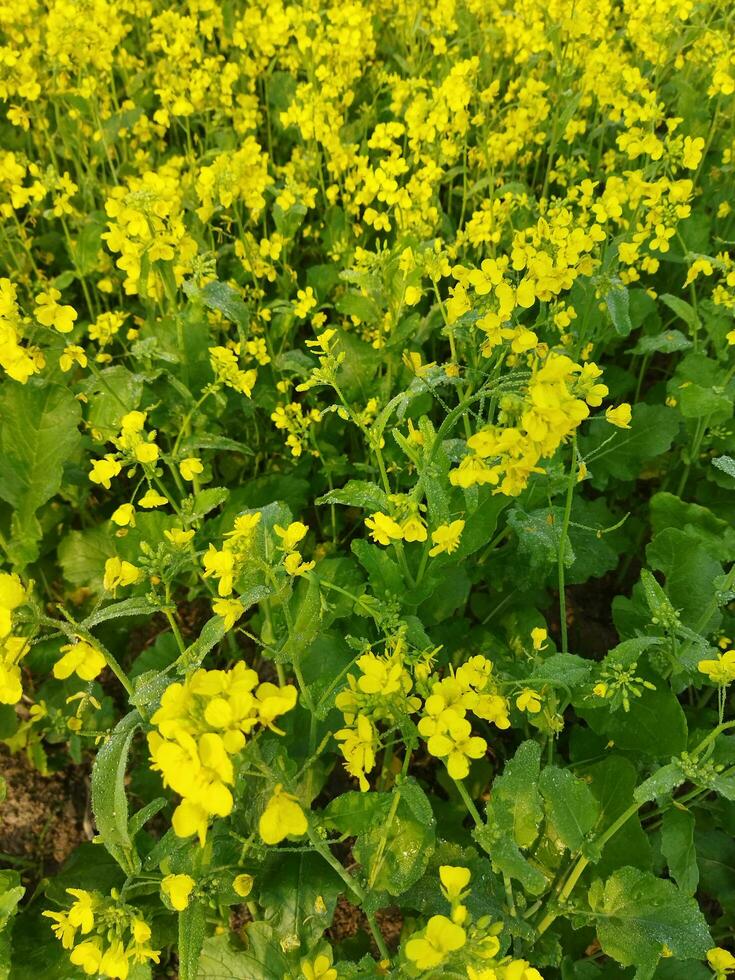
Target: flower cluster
x,y
106,937
201,724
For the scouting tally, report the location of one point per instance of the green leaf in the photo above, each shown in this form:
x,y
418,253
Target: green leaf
x,y
357,493
700,523
661,784
570,805
539,535
677,846
652,431
219,296
192,925
613,781
299,893
109,800
355,813
561,670
306,622
38,435
82,556
264,958
726,464
685,311
394,852
655,725
669,342
638,915
514,814
135,606
690,572
618,306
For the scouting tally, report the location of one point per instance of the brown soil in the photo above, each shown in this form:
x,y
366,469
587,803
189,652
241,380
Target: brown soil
x,y
349,920
43,818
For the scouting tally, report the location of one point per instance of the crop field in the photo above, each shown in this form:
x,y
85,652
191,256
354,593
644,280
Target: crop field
x,y
367,489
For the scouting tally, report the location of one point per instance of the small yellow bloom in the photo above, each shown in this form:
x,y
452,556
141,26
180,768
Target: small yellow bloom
x,y
178,889
178,537
190,467
539,636
446,538
320,969
454,881
124,516
291,535
529,701
79,658
146,452
73,354
282,817
151,498
243,885
120,572
441,937
229,609
619,416
720,671
295,566
383,528
721,961
103,470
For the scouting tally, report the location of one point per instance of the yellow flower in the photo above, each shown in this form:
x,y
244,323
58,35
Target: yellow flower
x,y
114,962
88,955
539,637
720,671
529,701
73,354
221,565
146,452
414,529
178,889
152,499
446,538
120,572
441,937
320,969
693,149
103,470
79,658
295,566
721,961
190,467
383,528
619,416
243,885
454,881
124,516
229,609
178,537
282,817
291,535
358,749
457,745
51,314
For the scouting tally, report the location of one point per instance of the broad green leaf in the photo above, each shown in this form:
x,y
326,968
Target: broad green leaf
x,y
539,535
355,813
192,926
299,893
690,572
134,606
685,311
677,846
109,799
82,556
700,523
38,434
613,781
561,670
394,852
653,429
514,814
357,493
618,306
638,915
570,805
263,959
655,725
220,296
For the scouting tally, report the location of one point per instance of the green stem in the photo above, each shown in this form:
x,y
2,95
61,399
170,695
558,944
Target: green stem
x,y
468,802
562,547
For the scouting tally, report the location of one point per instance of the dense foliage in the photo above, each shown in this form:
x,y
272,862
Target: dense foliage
x,y
367,482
